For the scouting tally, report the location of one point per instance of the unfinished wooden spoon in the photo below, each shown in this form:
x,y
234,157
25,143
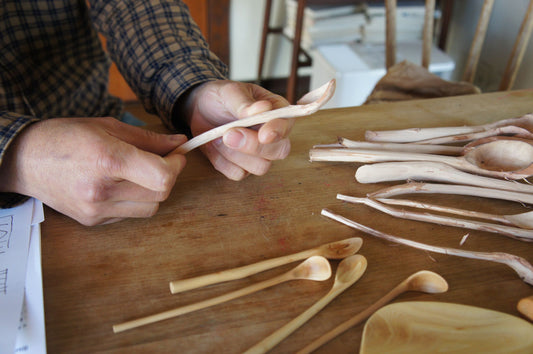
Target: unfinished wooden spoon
x,y
509,130
315,268
438,327
333,250
510,159
348,272
423,281
418,148
522,220
520,265
417,134
432,171
437,188
509,231
308,104
525,307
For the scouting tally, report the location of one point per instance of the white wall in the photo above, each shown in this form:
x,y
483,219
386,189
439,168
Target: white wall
x,y
246,23
503,27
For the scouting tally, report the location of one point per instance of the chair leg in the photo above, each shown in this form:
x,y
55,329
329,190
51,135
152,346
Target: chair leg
x,y
264,35
390,33
293,75
519,50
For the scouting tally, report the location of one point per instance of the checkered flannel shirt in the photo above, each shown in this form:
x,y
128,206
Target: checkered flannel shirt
x,y
52,63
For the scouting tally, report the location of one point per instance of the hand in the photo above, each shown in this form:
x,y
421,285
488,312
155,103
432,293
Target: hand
x,y
95,170
240,151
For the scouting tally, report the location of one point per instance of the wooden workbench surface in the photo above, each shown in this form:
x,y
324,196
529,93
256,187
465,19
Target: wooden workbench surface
x,y
99,276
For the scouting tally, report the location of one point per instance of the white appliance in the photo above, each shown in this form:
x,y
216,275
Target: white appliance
x,y
359,66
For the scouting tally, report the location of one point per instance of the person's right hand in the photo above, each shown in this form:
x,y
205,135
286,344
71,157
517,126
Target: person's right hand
x,y
95,170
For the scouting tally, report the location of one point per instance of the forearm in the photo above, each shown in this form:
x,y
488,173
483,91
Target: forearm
x,y
158,48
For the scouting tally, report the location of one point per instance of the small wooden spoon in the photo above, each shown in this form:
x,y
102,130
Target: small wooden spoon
x,y
423,281
308,104
348,272
314,268
525,306
333,250
510,159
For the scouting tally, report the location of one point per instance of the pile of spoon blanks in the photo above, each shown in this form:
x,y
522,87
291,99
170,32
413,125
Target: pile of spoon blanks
x,y
491,161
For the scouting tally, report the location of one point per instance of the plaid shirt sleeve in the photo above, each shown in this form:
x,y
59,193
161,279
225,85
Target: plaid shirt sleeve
x,y
156,45
158,48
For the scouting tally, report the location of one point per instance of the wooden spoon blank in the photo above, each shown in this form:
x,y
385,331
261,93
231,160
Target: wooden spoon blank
x,y
308,104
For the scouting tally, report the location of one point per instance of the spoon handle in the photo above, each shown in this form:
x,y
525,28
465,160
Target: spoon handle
x,y
182,285
273,339
349,271
361,316
202,304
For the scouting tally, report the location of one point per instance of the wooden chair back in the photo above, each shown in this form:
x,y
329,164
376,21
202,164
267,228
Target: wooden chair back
x,y
513,63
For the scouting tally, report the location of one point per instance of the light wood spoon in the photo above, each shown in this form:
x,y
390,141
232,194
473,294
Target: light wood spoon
x,y
334,250
525,306
510,159
308,104
348,272
432,171
314,268
423,281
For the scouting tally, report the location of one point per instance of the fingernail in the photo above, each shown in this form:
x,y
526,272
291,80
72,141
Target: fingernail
x,y
234,139
178,138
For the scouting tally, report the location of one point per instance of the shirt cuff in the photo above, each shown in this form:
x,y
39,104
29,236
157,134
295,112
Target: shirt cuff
x,y
10,200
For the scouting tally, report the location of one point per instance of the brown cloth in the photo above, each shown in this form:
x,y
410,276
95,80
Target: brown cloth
x,y
408,81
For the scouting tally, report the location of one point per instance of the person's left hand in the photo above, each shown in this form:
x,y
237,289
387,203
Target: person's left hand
x,y
240,151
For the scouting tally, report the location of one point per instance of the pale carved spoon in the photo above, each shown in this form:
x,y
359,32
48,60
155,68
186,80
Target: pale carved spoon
x,y
334,250
422,281
314,268
348,272
511,159
308,104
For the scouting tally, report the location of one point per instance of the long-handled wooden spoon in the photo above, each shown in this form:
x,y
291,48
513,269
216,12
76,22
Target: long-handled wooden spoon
x,y
509,231
432,171
436,188
521,266
417,134
423,281
308,104
525,306
314,268
511,159
334,250
348,272
522,220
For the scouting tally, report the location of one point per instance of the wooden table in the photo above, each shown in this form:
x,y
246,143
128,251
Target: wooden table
x,y
96,277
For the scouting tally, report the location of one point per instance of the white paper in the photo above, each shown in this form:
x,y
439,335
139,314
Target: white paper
x,y
31,336
15,225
